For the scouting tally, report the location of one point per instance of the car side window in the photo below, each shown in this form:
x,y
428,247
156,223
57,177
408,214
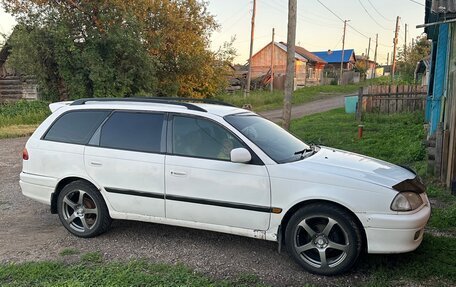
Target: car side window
x,y
135,131
197,137
76,127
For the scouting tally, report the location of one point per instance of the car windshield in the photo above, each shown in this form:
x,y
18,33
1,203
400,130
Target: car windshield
x,y
277,143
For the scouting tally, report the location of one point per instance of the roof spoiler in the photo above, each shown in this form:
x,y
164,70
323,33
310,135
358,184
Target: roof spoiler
x,y
55,106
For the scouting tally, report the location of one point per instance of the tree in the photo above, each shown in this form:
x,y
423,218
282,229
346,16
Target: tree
x,y
414,54
362,66
116,48
75,55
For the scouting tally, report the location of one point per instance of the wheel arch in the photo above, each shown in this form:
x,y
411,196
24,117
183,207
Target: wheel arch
x,y
61,184
302,204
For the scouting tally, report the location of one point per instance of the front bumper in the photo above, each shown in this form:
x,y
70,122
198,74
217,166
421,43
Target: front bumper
x,y
395,233
37,187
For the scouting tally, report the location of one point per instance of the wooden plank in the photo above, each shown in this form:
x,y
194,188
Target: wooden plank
x,y
359,111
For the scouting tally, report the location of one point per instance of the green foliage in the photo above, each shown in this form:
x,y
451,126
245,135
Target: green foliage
x,y
115,48
23,113
134,273
98,65
395,138
409,56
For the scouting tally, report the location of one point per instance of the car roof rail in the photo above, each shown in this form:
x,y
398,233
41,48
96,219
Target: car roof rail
x,y
186,102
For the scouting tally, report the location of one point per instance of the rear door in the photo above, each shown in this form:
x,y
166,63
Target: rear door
x,y
126,157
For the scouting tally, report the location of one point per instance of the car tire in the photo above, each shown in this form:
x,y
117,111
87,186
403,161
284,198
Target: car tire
x,y
323,238
82,209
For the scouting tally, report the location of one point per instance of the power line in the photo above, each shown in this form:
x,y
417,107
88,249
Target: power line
x,y
327,8
378,12
370,16
416,2
276,6
349,25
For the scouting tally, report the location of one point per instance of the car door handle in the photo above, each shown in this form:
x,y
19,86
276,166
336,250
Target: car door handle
x,y
95,163
178,173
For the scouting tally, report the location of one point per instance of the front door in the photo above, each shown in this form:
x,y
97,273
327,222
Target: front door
x,y
203,185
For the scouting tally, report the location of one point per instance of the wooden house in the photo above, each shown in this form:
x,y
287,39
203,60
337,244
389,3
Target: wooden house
x,y
308,67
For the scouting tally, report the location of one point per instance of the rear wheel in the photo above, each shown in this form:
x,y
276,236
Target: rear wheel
x,y
324,239
82,210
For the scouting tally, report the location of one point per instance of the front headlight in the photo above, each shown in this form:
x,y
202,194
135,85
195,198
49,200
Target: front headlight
x,y
406,201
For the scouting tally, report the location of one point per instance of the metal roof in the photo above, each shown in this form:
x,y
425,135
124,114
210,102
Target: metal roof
x,y
443,6
284,47
335,55
309,55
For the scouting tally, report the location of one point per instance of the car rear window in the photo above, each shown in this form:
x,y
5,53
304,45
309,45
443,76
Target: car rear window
x,y
76,127
135,131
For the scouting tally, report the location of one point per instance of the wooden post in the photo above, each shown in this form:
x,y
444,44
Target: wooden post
x,y
359,106
252,31
272,61
393,59
438,149
342,57
290,74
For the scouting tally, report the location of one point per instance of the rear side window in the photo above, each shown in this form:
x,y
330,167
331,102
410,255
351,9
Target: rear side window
x,y
133,131
76,127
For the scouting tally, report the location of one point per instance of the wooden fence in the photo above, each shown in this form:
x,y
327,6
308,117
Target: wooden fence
x,y
391,99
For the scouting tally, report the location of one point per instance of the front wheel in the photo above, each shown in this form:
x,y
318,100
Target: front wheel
x,y
82,210
324,239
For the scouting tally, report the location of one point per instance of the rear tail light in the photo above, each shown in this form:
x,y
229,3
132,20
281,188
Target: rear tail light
x,y
25,155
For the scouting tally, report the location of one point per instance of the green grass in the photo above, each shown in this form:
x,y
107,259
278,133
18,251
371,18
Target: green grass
x,y
265,100
395,138
432,264
93,257
21,118
69,251
133,273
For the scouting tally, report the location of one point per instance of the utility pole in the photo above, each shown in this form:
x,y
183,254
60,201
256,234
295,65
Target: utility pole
x,y
375,54
249,75
405,44
272,61
367,57
368,48
290,73
342,58
393,59
387,59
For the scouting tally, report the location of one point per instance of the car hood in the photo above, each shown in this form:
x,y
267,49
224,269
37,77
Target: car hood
x,y
354,166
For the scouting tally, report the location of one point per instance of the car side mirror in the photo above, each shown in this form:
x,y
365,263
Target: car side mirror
x,y
240,155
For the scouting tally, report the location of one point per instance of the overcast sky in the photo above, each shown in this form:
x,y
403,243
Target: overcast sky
x,y
317,28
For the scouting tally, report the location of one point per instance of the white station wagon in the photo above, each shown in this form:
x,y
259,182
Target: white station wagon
x,y
217,167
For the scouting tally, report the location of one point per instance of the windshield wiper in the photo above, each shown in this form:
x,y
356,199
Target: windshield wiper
x,y
301,152
304,152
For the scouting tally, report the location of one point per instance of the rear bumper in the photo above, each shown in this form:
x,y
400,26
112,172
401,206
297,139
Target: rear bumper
x,y
37,187
396,233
